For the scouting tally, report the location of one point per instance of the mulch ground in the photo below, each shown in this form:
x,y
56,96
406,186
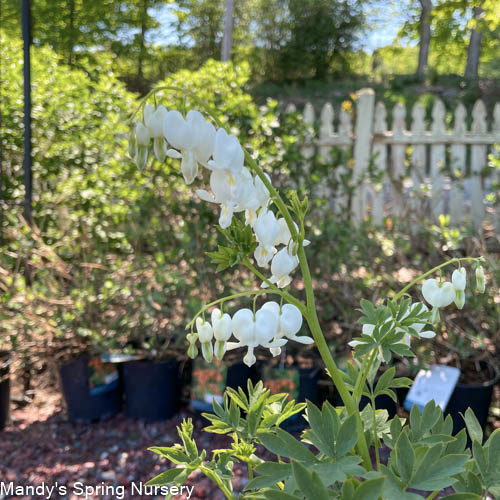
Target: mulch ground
x,y
41,446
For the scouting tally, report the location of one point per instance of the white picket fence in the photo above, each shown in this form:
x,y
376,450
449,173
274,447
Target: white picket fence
x,y
413,161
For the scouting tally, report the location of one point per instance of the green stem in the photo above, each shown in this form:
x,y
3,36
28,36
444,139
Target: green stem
x,y
363,375
432,495
215,478
250,471
274,289
433,270
376,441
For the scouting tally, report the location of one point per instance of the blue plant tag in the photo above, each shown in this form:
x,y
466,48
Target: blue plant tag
x,y
437,383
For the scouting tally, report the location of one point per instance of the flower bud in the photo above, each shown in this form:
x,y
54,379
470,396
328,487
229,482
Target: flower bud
x,y
460,298
207,350
142,135
141,157
132,145
192,351
160,148
458,278
220,349
480,279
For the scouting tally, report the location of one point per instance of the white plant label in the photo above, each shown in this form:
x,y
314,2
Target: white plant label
x,y
436,383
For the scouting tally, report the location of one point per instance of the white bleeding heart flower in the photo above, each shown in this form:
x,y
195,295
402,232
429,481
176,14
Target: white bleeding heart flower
x,y
153,119
480,279
221,324
205,335
253,330
438,294
263,256
260,200
459,278
228,153
289,323
282,265
142,134
193,136
267,229
228,190
285,237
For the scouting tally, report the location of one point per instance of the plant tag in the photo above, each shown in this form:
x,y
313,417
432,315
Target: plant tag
x,y
103,377
436,383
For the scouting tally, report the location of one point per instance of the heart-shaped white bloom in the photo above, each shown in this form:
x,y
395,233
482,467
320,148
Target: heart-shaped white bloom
x,y
282,265
289,321
154,119
228,154
221,324
204,329
193,136
260,200
142,134
228,190
438,294
252,331
459,278
267,229
263,256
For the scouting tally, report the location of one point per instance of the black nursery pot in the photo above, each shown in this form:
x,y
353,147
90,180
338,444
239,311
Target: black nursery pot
x,y
477,397
84,406
238,375
5,360
152,389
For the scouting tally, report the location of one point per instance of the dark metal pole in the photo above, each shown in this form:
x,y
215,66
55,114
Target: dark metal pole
x,y
28,177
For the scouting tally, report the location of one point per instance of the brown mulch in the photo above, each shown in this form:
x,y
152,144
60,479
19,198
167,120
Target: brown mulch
x,y
41,446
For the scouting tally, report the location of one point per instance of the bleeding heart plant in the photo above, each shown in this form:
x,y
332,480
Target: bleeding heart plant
x,y
424,455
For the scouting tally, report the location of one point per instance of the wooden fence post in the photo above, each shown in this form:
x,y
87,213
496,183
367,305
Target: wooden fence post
x,y
478,162
362,148
380,152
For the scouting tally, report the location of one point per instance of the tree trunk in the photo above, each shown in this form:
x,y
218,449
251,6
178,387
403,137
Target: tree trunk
x,y
227,41
142,37
425,37
474,50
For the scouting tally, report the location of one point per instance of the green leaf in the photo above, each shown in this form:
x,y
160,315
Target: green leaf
x,y
309,483
271,473
279,495
385,380
463,496
440,474
473,426
284,444
405,456
347,436
166,477
370,489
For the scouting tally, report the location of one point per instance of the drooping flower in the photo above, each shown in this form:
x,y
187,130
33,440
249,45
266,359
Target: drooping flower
x,y
228,153
458,278
480,279
260,200
281,267
194,137
142,137
229,191
205,335
153,118
438,294
266,231
289,324
221,324
253,330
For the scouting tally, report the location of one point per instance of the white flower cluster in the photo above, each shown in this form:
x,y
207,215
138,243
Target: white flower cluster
x,y
442,293
271,327
196,142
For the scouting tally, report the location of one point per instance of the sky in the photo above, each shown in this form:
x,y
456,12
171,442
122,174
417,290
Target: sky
x,y
384,19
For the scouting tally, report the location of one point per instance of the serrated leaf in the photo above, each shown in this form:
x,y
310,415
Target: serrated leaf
x,y
166,477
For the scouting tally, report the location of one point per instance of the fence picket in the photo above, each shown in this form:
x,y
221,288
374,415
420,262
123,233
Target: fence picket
x,y
437,162
398,152
458,167
478,162
496,131
308,116
418,158
380,153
